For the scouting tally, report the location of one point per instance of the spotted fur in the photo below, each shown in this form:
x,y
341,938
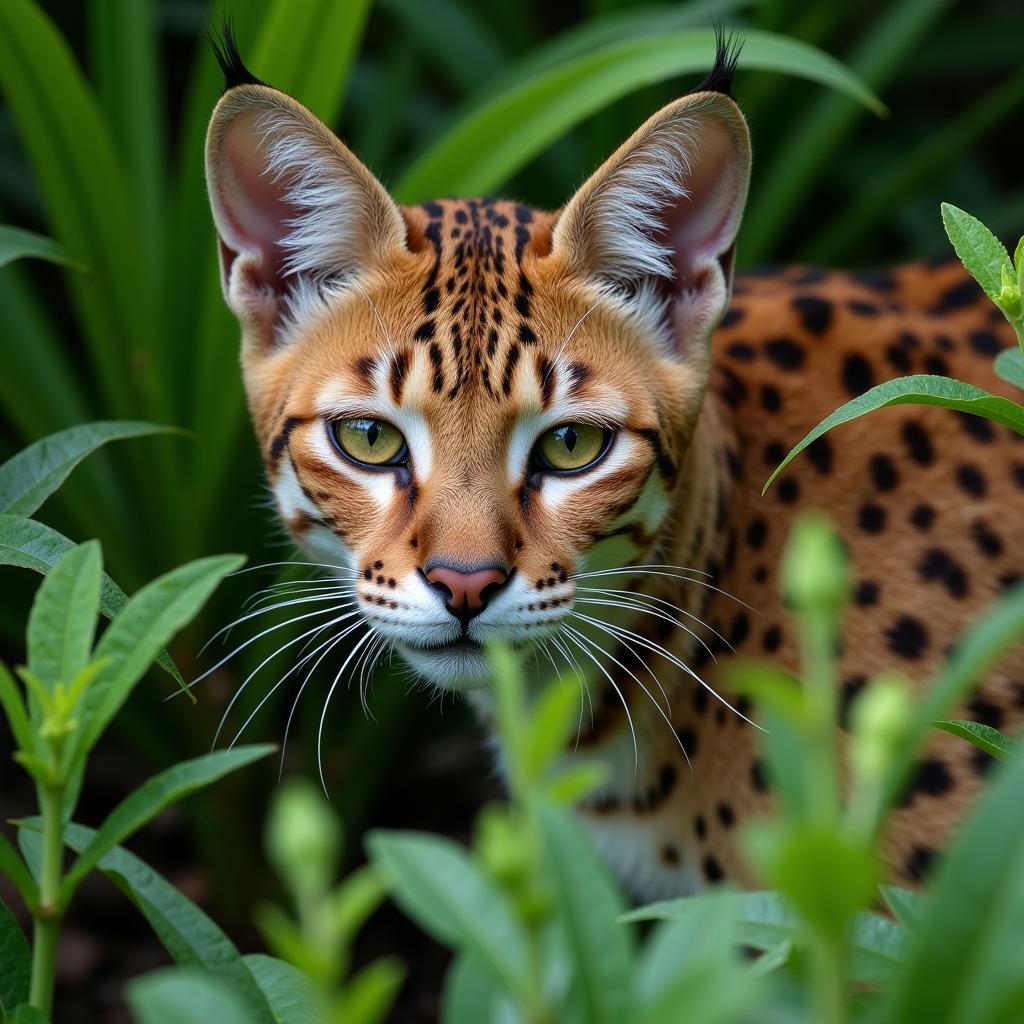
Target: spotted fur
x,y
474,325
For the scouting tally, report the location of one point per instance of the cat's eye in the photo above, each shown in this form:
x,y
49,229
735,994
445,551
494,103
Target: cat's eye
x,y
571,446
369,442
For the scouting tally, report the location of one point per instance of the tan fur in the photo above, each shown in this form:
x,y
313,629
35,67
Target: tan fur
x,y
472,320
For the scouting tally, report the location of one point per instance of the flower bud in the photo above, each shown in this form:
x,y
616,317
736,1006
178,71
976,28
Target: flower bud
x,y
303,840
814,570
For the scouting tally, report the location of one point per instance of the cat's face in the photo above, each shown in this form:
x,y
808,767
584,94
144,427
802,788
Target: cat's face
x,y
464,404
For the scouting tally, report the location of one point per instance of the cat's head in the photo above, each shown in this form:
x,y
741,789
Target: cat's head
x,y
460,404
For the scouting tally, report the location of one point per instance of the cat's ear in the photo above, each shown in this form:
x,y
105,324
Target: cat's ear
x,y
656,224
292,205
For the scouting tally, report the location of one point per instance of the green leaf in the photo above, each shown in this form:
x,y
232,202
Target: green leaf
x,y
16,244
83,186
471,994
192,939
62,623
1009,365
177,995
437,884
15,712
979,250
765,920
918,389
551,720
34,545
152,797
487,146
16,961
30,477
369,995
589,908
906,904
984,737
26,1014
291,995
967,961
141,630
17,872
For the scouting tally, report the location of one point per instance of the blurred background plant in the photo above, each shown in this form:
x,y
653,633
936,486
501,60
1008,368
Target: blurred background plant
x,y
104,106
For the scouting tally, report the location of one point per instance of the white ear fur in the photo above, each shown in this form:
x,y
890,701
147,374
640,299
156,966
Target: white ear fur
x,y
655,225
293,207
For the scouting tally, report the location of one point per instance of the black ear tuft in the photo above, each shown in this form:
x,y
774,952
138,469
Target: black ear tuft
x,y
727,55
225,49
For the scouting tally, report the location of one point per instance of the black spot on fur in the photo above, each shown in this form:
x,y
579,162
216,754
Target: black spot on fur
x,y
958,296
741,351
725,815
907,637
852,686
898,358
857,375
733,316
918,863
712,869
757,778
985,343
757,532
815,313
871,518
922,516
772,639
866,594
987,713
931,778
688,738
988,542
788,490
971,480
938,566
771,400
919,444
785,353
977,427
819,451
862,308
883,472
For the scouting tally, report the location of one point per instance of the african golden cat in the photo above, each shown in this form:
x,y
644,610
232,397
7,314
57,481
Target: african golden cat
x,y
480,415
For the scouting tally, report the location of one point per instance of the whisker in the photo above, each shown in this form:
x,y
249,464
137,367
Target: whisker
x,y
643,571
345,591
323,714
251,640
668,655
571,635
568,337
650,696
262,611
647,610
295,668
252,675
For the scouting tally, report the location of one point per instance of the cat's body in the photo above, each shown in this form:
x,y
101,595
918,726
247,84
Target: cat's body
x,y
467,406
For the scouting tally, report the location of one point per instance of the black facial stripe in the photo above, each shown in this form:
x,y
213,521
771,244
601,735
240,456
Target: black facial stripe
x,y
280,441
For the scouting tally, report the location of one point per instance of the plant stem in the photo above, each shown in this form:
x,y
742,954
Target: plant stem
x,y
829,984
48,913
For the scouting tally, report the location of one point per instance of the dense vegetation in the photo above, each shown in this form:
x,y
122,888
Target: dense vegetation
x,y
104,110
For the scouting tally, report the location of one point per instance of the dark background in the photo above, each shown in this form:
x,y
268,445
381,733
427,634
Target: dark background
x,y
832,184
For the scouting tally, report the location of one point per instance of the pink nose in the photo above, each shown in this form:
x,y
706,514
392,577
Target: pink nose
x,y
466,593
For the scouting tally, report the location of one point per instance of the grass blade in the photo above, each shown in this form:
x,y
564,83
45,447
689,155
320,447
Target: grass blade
x,y
18,244
493,142
984,737
16,960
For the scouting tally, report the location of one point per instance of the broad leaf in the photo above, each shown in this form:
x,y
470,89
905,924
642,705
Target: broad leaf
x,y
290,994
17,243
984,737
919,389
152,797
15,962
177,995
369,995
17,872
26,1014
906,904
62,623
765,919
437,884
589,908
145,625
486,147
1009,365
967,962
979,250
471,995
192,939
30,477
34,545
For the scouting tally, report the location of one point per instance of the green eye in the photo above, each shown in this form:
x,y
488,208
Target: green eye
x,y
572,446
371,442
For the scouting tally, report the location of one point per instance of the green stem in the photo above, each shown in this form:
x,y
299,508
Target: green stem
x,y
48,912
1018,326
818,642
829,986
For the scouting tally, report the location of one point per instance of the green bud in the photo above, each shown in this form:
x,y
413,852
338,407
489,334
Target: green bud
x,y
502,845
814,569
303,840
880,719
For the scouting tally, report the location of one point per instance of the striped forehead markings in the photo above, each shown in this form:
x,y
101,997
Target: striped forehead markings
x,y
468,293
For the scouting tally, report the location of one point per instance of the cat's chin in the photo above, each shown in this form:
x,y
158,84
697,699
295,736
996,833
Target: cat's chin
x,y
459,666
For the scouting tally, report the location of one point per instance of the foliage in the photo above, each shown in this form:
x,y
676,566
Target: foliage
x,y
988,262
539,927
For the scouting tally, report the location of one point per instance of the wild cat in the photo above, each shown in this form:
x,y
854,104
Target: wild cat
x,y
490,422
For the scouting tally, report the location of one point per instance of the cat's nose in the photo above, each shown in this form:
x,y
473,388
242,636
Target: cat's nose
x,y
466,593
